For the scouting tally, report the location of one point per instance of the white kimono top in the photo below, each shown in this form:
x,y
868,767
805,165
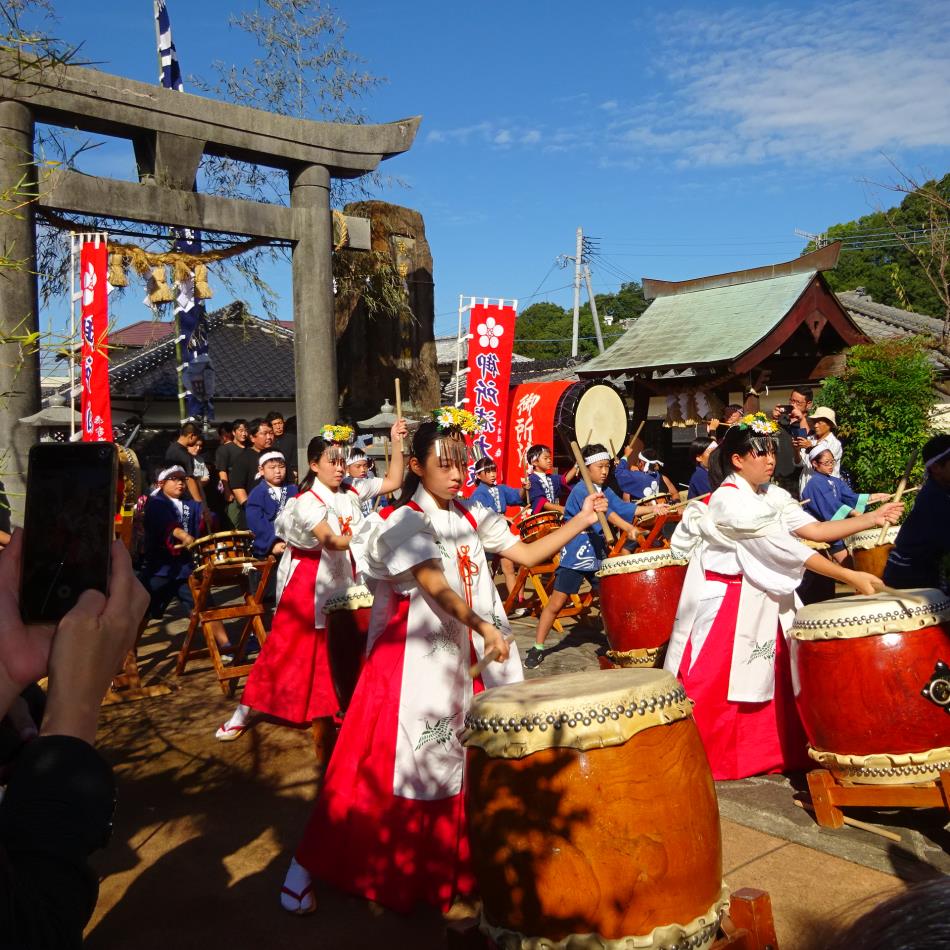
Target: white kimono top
x,y
295,524
436,688
743,532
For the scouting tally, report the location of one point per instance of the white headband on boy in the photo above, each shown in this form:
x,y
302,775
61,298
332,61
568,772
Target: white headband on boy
x,y
648,462
596,457
816,451
269,457
168,472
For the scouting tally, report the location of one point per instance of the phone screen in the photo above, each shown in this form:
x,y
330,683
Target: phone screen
x,y
68,528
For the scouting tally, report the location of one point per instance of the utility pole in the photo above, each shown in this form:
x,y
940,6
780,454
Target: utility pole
x,y
593,309
577,291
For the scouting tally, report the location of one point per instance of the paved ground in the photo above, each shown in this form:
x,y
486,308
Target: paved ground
x,y
204,831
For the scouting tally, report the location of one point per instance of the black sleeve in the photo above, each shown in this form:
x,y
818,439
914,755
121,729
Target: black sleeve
x,y
240,471
57,809
221,459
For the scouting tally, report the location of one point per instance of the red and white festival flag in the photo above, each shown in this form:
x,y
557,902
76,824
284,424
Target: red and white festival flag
x,y
94,374
489,373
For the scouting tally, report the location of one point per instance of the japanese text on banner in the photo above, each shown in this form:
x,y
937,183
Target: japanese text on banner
x,y
94,360
489,374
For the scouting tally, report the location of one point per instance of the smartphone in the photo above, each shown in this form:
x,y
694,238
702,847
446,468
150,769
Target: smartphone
x,y
68,526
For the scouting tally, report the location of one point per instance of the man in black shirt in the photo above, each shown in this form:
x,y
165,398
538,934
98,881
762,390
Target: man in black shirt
x,y
246,471
177,454
224,461
284,442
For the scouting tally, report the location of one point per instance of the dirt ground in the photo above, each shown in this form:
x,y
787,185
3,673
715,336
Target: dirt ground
x,y
204,832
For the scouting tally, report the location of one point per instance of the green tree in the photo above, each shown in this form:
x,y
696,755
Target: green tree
x,y
883,401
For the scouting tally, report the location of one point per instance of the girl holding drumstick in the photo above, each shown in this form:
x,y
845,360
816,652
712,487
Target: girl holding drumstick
x,y
728,644
389,824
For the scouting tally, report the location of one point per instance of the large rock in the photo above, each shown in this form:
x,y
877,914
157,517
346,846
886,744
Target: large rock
x,y
373,348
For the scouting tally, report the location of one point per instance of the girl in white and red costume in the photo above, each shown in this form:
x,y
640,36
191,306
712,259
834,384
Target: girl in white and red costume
x,y
389,824
291,677
728,644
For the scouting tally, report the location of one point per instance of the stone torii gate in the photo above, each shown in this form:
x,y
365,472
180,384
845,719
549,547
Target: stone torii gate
x,y
170,131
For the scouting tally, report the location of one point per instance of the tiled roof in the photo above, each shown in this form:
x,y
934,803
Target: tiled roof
x,y
879,322
445,352
704,326
252,359
145,332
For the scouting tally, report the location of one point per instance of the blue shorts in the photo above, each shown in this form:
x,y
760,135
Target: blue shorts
x,y
568,581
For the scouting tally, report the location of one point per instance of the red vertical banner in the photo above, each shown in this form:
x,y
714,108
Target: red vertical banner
x,y
489,373
94,365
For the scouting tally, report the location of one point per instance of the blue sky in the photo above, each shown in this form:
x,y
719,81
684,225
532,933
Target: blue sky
x,y
690,138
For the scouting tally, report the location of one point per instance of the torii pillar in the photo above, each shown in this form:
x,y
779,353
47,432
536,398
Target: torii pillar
x,y
171,131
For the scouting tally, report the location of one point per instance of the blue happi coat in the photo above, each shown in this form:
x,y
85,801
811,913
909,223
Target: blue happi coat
x,y
589,548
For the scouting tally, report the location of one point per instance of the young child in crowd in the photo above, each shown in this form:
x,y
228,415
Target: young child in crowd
x,y
389,824
581,557
645,481
266,501
546,489
699,451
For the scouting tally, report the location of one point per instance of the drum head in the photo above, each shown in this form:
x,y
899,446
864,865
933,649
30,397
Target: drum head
x,y
868,616
576,710
592,412
349,598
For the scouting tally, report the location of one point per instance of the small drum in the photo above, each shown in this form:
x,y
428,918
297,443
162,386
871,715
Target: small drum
x,y
873,686
592,813
130,480
867,554
348,614
225,547
539,525
639,594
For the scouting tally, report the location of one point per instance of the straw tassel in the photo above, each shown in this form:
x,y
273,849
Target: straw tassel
x,y
202,289
117,271
158,289
181,272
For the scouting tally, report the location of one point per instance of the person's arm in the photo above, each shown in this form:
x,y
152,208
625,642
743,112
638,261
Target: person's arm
x,y
397,461
829,531
861,581
431,578
332,542
237,488
570,474
622,525
537,552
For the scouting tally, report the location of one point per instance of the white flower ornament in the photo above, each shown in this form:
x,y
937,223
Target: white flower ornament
x,y
489,332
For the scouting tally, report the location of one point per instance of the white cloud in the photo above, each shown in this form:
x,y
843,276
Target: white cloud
x,y
789,84
609,106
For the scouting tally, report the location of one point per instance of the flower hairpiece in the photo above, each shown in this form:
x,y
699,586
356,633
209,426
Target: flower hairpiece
x,y
448,418
337,434
759,423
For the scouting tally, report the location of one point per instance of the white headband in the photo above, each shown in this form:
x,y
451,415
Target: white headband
x,y
937,459
269,457
649,462
596,457
816,451
168,472
353,458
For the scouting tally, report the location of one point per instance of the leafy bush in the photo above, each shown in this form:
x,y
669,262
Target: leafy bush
x,y
883,402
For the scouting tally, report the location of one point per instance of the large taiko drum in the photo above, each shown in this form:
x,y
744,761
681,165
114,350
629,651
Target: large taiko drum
x,y
558,413
873,685
592,813
348,614
540,525
639,594
222,548
867,554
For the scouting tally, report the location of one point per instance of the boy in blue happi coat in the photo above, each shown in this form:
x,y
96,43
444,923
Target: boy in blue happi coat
x,y
830,498
498,498
266,501
580,558
545,487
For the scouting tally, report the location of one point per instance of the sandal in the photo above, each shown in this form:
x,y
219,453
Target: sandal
x,y
228,733
306,901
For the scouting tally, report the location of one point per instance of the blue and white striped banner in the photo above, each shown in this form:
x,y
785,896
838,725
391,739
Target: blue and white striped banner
x,y
170,76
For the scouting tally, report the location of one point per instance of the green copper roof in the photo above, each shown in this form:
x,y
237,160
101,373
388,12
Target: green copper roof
x,y
702,327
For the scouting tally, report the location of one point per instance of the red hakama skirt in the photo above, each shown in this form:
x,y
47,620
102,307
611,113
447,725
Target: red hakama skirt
x,y
363,838
742,739
290,678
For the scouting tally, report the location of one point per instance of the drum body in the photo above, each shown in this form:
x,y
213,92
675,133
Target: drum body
x,y
348,615
867,554
539,525
639,594
225,547
592,811
872,685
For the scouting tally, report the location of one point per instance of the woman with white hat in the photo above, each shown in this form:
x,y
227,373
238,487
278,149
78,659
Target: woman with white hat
x,y
824,423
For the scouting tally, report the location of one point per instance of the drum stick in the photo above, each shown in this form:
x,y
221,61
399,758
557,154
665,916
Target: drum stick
x,y
386,452
585,474
476,668
636,435
398,409
901,485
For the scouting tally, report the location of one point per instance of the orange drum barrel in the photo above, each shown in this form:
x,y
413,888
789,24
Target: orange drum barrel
x,y
348,614
222,548
639,594
873,686
539,525
867,554
592,811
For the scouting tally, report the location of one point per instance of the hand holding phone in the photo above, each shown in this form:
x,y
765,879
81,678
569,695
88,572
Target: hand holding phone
x,y
68,527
